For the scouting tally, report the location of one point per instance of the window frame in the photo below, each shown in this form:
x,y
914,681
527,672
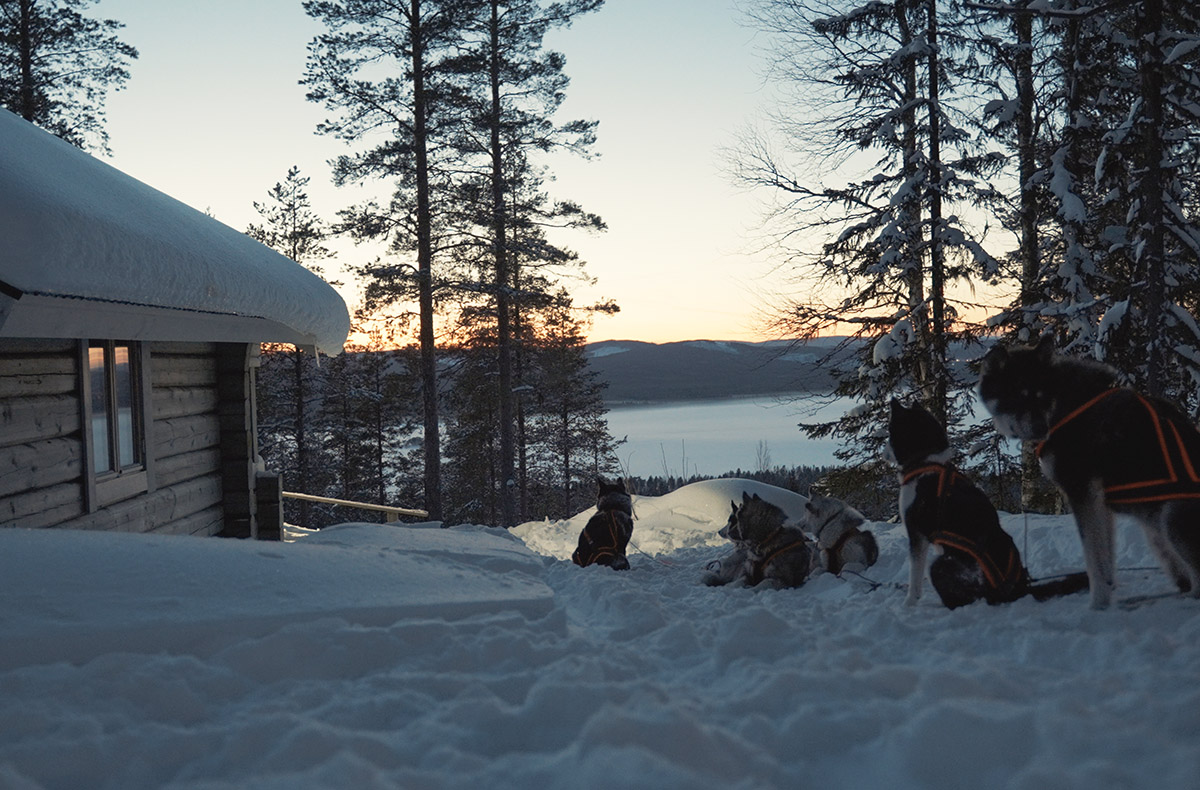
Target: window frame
x,y
108,486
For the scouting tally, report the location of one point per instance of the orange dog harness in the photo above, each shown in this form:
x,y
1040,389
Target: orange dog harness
x,y
1157,461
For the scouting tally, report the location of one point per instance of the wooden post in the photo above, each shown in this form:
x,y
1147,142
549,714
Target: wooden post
x,y
239,441
269,496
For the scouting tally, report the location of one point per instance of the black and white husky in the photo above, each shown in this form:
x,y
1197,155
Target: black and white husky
x,y
842,543
1107,448
606,535
766,550
940,505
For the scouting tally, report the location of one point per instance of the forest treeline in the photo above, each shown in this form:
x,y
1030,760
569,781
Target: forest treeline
x,y
350,428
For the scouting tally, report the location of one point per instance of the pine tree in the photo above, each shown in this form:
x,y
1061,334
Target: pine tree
x,y
290,381
878,80
384,67
513,86
571,442
57,66
367,419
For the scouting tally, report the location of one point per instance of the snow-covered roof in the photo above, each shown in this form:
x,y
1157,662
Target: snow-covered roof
x,y
88,251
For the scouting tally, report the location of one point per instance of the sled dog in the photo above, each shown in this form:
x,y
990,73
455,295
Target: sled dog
x,y
775,553
734,565
605,537
940,505
841,541
1107,448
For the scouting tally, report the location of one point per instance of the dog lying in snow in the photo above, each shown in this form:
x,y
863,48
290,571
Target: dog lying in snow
x,y
842,544
766,550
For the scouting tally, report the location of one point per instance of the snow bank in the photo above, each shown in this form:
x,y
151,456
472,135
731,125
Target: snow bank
x,y
685,518
377,672
74,596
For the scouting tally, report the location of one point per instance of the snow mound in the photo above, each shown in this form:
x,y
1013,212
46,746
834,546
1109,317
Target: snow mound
x,y
685,518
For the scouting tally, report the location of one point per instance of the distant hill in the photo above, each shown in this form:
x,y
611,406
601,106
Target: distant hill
x,y
639,372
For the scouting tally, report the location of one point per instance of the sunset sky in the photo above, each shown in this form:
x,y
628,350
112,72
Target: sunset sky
x,y
213,116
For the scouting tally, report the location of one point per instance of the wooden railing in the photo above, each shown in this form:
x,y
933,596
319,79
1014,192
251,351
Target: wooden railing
x,y
393,513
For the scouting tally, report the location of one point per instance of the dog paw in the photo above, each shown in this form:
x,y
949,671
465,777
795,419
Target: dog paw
x,y
912,600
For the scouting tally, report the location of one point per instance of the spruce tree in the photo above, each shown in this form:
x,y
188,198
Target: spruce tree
x,y
289,379
876,81
1119,282
570,440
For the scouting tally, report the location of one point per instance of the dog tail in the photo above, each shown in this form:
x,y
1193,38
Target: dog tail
x,y
1066,584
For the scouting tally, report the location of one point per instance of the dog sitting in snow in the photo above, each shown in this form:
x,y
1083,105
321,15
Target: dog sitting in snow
x,y
766,550
940,505
606,535
842,544
1107,448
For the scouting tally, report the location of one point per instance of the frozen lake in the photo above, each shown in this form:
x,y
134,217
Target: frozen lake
x,y
711,437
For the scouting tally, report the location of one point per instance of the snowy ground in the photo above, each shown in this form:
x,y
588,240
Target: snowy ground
x,y
382,657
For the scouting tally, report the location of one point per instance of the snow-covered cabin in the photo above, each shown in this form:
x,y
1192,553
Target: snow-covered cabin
x,y
129,333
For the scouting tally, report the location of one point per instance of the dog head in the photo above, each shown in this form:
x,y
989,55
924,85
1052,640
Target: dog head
x,y
755,521
828,519
914,435
613,496
730,522
1013,385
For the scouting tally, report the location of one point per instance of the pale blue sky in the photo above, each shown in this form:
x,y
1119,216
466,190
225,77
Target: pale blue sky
x,y
213,115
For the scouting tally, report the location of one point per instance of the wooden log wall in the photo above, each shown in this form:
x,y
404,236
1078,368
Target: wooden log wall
x,y
41,444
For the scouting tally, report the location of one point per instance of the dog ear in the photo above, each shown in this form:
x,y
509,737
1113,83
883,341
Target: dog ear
x,y
997,356
733,506
1045,347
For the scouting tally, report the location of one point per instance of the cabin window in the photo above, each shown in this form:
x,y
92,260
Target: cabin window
x,y
115,419
116,413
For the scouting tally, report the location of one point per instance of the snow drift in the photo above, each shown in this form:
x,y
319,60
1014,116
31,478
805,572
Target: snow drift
x,y
370,656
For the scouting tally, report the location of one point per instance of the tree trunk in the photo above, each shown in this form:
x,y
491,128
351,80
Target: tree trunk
x,y
937,270
1027,163
26,94
915,282
302,483
1152,220
522,439
503,286
429,395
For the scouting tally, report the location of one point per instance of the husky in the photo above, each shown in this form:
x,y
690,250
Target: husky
x,y
733,566
940,505
605,537
773,553
841,542
1107,448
